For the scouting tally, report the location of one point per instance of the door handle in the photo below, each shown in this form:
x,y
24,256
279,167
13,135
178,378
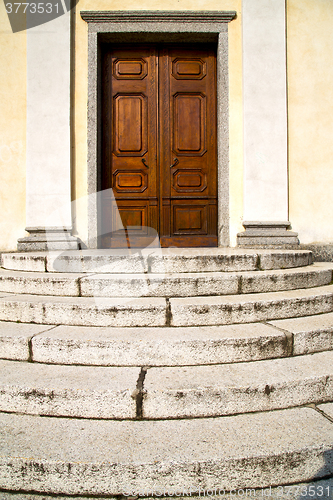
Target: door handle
x,y
175,162
144,162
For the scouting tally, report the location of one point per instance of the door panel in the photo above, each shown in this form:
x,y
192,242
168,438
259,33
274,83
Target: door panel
x,y
188,147
159,146
129,122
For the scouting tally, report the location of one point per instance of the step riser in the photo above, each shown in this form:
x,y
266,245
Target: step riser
x,y
157,353
166,286
44,285
113,314
231,401
229,389
247,312
68,403
68,391
205,286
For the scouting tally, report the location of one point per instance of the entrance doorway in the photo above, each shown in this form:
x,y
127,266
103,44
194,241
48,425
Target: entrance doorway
x,y
159,145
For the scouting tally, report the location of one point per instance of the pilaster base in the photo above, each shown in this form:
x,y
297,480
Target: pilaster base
x,y
48,238
267,235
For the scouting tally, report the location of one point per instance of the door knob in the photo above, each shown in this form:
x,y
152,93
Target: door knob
x,y
144,162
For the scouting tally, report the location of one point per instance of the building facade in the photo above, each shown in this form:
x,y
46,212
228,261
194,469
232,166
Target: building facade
x,y
239,153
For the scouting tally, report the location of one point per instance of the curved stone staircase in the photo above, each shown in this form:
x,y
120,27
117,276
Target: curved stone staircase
x,y
164,371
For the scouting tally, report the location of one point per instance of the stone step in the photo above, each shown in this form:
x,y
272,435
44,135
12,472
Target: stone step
x,y
156,311
317,488
156,260
232,309
68,391
166,346
210,391
168,392
94,457
83,310
164,285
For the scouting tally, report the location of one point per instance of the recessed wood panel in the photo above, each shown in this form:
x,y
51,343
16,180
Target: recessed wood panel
x,y
130,181
130,125
189,126
188,69
130,69
189,219
127,180
130,217
189,181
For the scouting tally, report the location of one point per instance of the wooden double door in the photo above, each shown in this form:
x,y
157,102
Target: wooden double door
x,y
159,172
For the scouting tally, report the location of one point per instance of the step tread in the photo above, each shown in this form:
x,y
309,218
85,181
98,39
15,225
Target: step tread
x,y
179,301
44,275
72,456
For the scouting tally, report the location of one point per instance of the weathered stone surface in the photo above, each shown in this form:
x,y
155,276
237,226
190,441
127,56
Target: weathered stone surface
x,y
69,391
285,279
227,259
39,283
283,259
200,284
14,339
156,260
318,489
322,252
30,496
83,310
159,346
69,456
97,261
205,391
250,308
327,408
159,285
310,334
165,285
35,261
177,260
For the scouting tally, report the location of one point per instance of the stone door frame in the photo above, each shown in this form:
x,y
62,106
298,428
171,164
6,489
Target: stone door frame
x,y
160,26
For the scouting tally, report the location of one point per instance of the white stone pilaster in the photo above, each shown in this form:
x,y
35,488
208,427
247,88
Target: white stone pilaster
x,y
265,119
48,181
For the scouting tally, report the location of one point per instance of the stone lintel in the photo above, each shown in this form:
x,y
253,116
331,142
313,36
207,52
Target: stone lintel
x,y
267,234
157,16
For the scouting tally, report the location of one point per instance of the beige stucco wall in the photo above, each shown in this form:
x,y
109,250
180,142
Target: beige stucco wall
x,y
235,98
12,133
310,122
